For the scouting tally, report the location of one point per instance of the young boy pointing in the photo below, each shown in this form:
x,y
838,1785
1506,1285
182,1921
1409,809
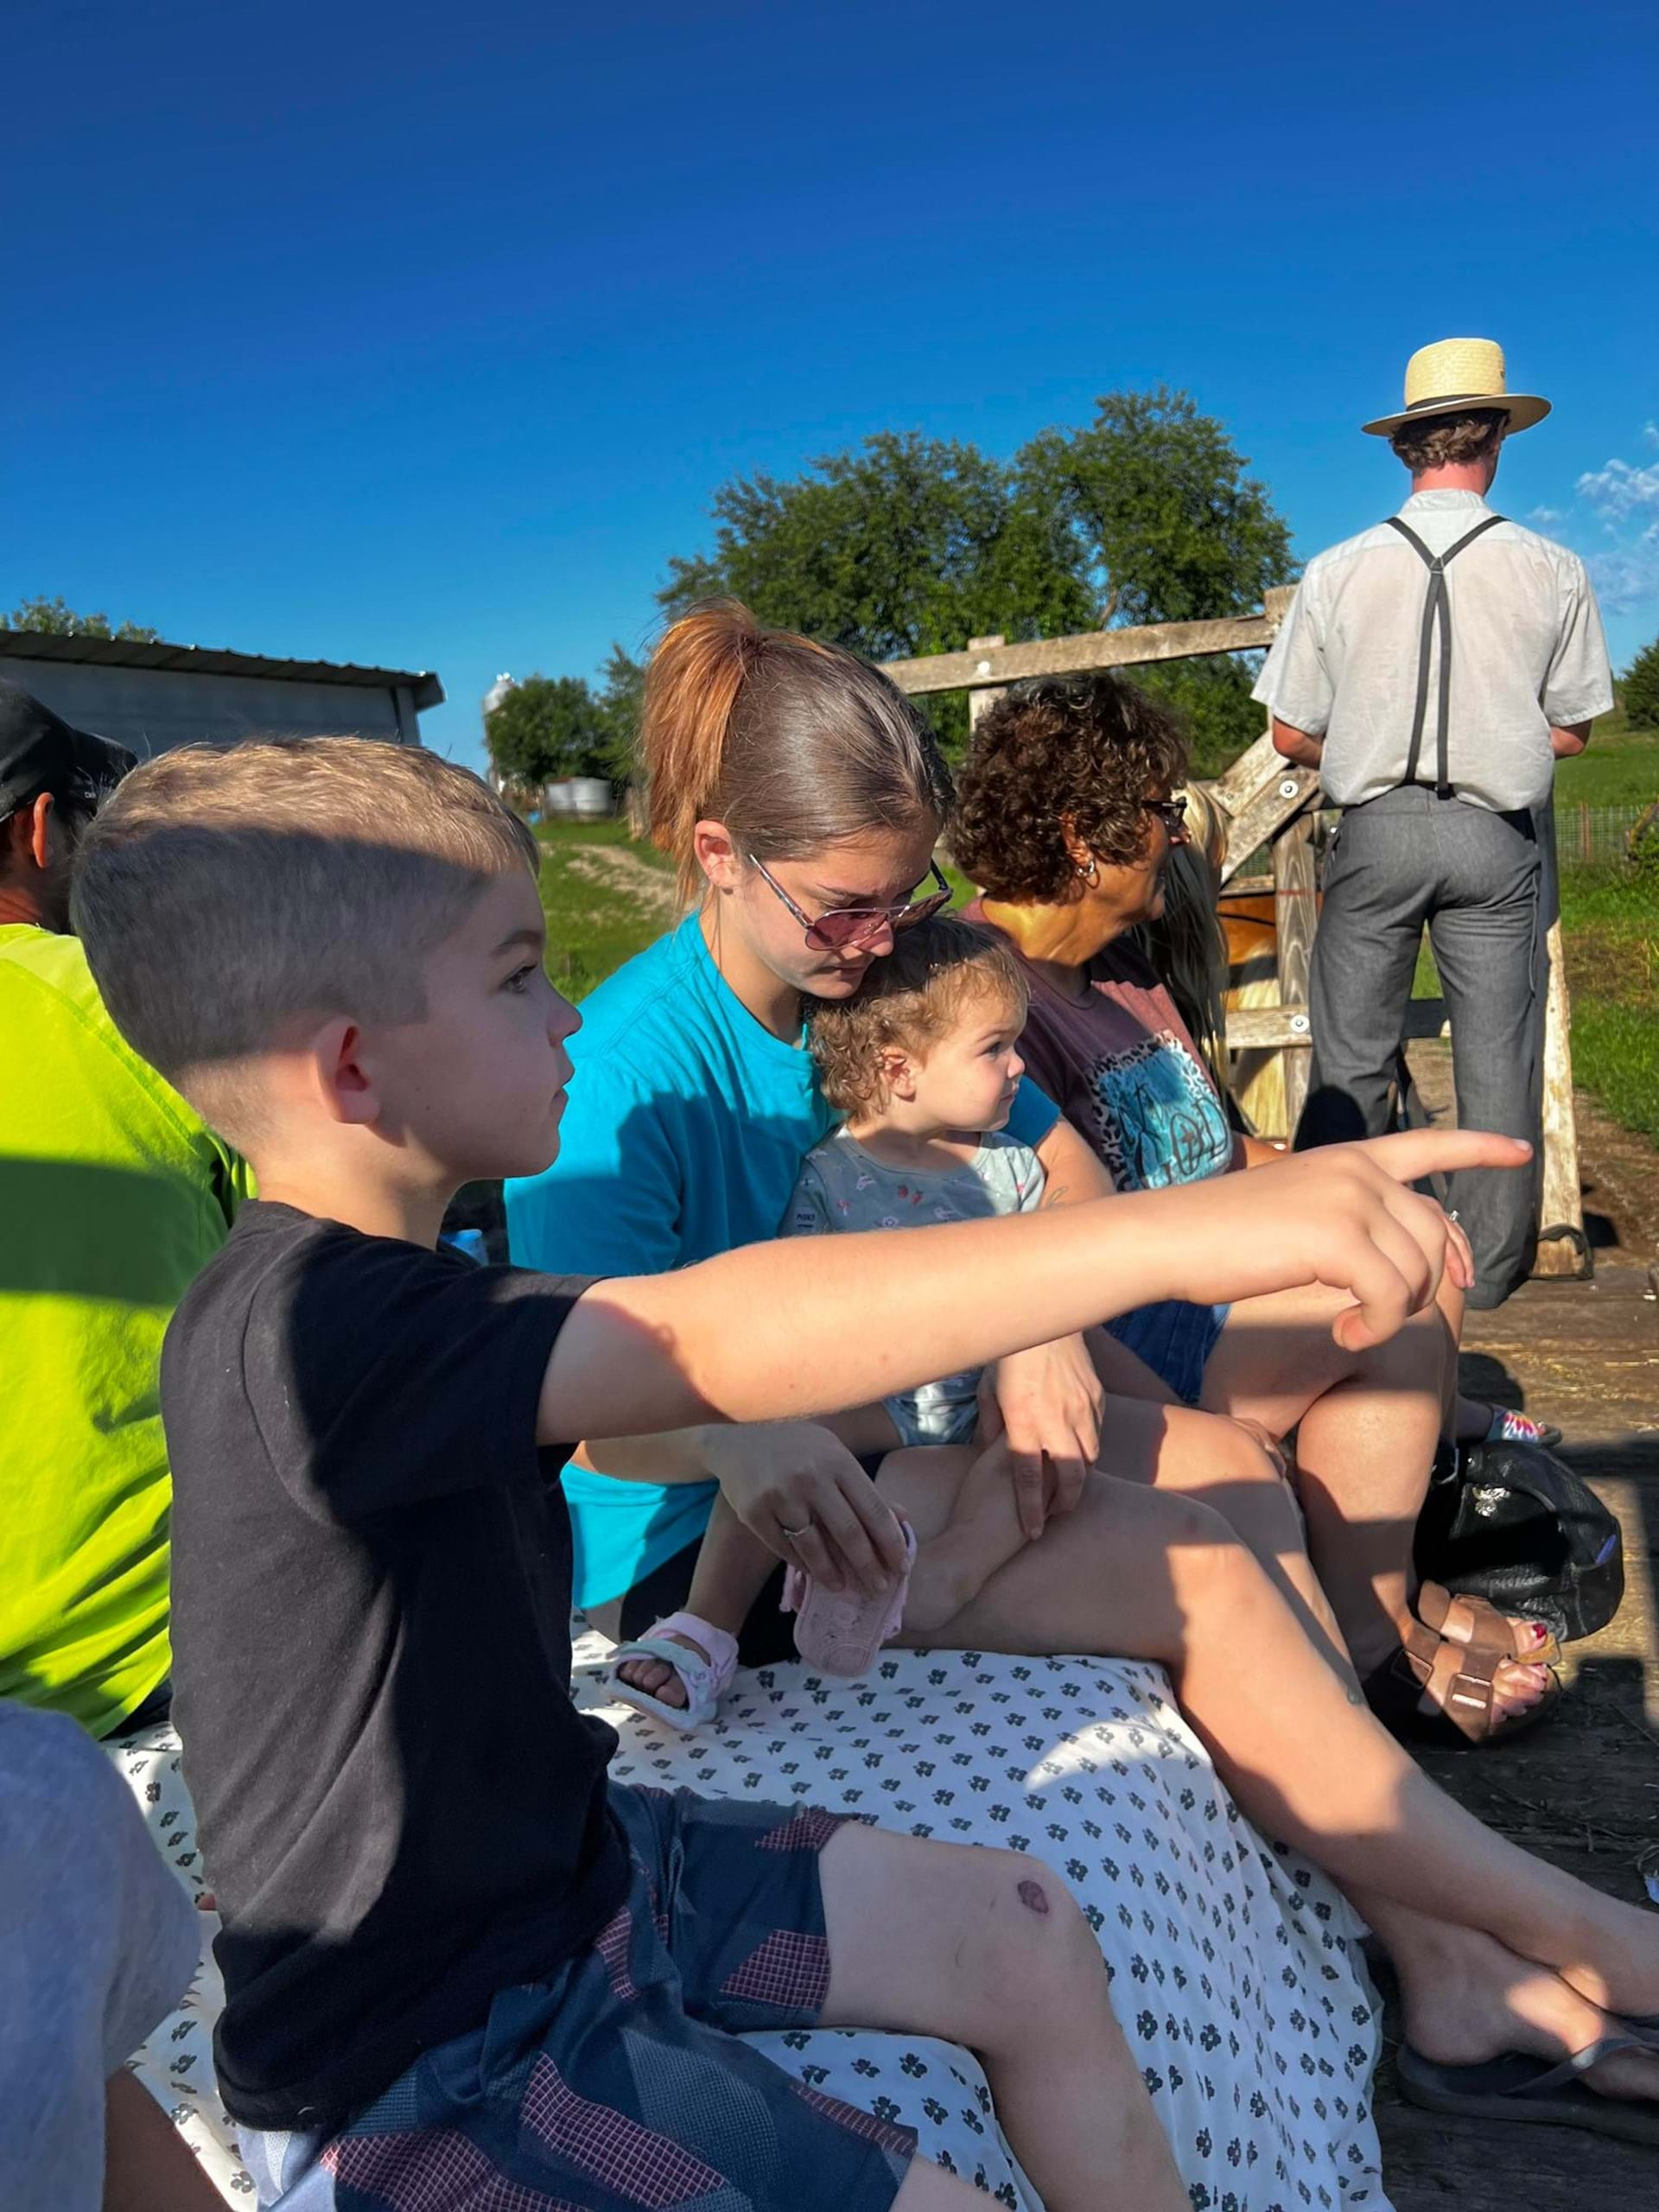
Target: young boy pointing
x,y
454,1956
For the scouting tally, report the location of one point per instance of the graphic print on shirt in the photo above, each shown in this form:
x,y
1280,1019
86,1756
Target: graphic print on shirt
x,y
1157,1116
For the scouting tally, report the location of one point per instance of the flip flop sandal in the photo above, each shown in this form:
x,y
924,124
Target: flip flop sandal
x,y
840,1631
1516,2087
706,1679
1466,1717
1489,1629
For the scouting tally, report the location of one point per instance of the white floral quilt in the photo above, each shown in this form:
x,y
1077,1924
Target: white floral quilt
x,y
1234,1966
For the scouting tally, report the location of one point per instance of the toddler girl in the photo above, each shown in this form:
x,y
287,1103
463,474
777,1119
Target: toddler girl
x,y
923,1061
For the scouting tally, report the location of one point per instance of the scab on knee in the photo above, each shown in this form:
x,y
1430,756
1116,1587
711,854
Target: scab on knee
x,y
1034,1897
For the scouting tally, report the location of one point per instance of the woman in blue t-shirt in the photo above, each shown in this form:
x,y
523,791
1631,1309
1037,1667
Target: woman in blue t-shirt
x,y
802,797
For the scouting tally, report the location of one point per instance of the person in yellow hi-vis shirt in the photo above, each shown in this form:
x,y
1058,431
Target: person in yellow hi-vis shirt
x,y
112,1194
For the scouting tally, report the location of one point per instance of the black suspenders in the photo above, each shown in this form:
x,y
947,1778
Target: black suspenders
x,y
1436,604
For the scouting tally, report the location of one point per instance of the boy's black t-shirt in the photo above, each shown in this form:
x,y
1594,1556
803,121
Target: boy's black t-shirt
x,y
399,1807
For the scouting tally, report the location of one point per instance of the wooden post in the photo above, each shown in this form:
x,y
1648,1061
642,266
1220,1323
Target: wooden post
x,y
1560,1203
1586,844
981,701
1293,883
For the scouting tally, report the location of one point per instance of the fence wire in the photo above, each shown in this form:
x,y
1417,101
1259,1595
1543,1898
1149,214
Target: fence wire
x,y
1594,836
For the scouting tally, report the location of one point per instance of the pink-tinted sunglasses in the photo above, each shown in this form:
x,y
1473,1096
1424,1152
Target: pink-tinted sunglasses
x,y
844,928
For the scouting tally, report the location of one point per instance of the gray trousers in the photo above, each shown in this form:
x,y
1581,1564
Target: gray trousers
x,y
1398,861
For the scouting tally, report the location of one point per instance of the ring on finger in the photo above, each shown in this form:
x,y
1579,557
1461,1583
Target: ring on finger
x,y
794,1534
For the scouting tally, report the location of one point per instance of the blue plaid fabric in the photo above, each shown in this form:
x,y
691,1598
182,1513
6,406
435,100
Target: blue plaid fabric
x,y
620,2085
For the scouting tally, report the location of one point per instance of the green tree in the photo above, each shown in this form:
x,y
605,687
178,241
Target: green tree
x,y
1151,504
909,545
546,728
1638,689
1161,519
55,617
619,705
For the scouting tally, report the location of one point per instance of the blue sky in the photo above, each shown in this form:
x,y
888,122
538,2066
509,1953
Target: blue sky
x,y
421,336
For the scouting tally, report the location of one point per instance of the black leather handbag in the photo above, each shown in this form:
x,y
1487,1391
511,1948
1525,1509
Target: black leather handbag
x,y
1510,1523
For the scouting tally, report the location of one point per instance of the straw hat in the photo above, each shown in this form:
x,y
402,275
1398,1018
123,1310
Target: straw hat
x,y
1453,376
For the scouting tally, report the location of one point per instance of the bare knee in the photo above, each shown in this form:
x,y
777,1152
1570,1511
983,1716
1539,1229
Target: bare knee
x,y
1035,1947
1213,1554
1196,1527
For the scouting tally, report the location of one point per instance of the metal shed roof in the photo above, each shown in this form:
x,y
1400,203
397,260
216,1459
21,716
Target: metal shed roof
x,y
204,660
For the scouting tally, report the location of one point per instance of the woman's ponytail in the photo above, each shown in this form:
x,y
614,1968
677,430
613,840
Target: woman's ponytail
x,y
692,686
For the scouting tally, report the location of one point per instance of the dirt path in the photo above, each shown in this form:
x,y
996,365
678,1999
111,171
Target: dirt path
x,y
652,889
1618,1172
1583,1792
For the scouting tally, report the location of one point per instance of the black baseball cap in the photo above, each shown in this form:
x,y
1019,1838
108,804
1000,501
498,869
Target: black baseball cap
x,y
39,752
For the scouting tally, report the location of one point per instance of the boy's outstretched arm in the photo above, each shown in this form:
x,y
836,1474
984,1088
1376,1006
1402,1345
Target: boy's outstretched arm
x,y
756,1335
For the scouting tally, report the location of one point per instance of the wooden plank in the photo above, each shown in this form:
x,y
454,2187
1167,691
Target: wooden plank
x,y
1561,1204
1267,1028
981,701
1248,773
1266,813
1275,603
1293,886
1000,665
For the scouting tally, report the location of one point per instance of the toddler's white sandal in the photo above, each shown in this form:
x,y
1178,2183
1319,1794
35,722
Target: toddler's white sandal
x,y
706,1680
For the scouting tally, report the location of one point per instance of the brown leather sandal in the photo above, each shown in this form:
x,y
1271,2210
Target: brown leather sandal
x,y
1462,1681
1489,1629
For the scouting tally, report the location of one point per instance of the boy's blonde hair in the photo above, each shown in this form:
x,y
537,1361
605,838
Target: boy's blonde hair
x,y
907,1003
222,893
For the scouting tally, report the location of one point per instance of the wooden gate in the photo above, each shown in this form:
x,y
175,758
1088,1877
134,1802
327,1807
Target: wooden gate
x,y
1271,806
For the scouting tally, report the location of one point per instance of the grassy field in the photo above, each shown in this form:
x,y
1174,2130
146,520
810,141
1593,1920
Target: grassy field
x,y
1610,929
1620,768
607,897
1610,933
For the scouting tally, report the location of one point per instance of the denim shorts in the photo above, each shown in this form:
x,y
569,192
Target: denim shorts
x,y
1175,1340
620,2081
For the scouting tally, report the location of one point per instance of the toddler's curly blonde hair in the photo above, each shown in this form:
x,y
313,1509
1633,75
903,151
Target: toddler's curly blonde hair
x,y
907,1003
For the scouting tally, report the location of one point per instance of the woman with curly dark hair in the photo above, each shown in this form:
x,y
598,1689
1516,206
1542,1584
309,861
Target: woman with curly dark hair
x,y
1068,814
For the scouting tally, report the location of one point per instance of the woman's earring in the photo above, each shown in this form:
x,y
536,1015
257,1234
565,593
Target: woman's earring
x,y
1087,873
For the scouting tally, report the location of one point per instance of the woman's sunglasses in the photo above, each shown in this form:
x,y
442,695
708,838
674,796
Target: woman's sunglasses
x,y
1171,812
844,929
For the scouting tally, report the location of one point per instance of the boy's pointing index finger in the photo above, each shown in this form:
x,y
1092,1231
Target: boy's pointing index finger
x,y
1413,1153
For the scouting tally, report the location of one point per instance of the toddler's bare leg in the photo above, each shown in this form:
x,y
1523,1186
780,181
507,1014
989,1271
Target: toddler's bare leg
x,y
731,1573
980,1534
989,1948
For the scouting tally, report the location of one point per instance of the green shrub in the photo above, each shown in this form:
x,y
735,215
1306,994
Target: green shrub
x,y
1639,688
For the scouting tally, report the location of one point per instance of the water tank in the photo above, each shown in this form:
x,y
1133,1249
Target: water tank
x,y
559,798
590,796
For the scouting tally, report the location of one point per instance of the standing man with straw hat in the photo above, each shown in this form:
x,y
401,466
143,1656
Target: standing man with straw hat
x,y
1433,669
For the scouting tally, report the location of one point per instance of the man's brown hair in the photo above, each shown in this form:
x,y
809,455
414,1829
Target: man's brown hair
x,y
907,1003
221,893
1445,441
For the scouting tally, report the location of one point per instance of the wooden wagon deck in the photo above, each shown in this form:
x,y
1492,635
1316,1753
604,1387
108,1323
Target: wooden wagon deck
x,y
1583,1792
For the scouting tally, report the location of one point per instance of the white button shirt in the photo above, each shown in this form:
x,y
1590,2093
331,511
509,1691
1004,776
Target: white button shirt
x,y
1528,655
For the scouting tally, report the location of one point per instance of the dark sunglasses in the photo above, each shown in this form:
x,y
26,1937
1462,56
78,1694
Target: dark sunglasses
x,y
843,928
1171,812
